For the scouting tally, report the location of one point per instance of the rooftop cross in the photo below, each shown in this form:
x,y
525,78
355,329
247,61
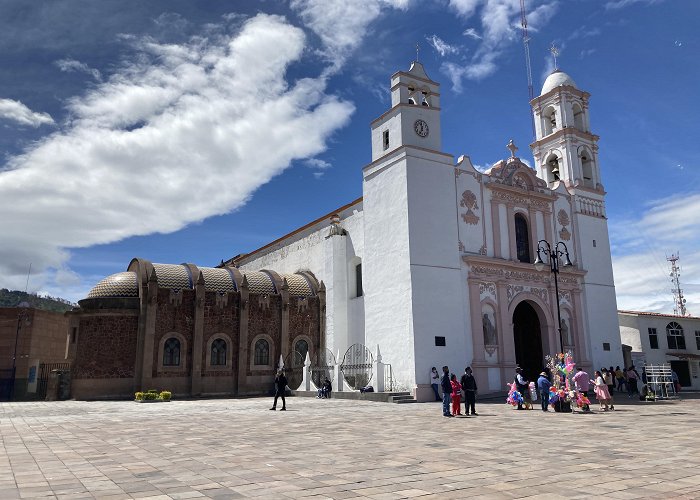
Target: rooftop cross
x,y
555,52
512,147
417,49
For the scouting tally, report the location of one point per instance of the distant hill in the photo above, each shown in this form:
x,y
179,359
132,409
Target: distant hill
x,y
15,297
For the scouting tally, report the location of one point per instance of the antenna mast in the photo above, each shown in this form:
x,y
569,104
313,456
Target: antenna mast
x,y
526,43
679,302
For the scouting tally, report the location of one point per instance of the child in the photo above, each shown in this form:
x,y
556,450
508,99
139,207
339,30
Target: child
x,y
456,392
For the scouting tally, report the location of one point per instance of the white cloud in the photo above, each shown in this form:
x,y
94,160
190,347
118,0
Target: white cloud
x,y
640,248
18,112
471,33
341,25
317,163
69,65
500,23
619,4
465,8
442,47
181,133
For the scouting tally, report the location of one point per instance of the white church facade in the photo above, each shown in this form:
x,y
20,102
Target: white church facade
x,y
434,263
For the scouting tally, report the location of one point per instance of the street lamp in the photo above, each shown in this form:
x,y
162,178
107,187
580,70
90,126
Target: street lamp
x,y
554,254
23,314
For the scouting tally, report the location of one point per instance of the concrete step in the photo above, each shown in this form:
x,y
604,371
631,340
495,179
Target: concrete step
x,y
403,398
385,397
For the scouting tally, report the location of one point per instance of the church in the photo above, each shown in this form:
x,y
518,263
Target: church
x,y
436,264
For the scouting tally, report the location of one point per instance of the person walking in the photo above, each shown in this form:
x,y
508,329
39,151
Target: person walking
x,y
610,382
601,391
456,395
446,391
582,384
434,382
620,376
521,384
543,384
469,387
632,378
280,387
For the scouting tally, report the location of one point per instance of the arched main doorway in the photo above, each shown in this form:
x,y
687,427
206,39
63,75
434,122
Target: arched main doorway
x,y
528,340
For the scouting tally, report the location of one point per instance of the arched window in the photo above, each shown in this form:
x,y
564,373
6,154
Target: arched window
x,y
302,347
578,117
550,120
171,352
552,167
587,169
674,336
522,239
218,352
262,353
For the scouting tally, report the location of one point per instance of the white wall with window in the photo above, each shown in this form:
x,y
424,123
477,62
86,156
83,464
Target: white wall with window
x,y
664,338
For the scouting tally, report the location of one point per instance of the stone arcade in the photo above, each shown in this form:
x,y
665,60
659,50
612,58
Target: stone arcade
x,y
434,264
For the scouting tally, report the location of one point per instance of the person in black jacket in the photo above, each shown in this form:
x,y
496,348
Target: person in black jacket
x,y
469,387
446,391
280,387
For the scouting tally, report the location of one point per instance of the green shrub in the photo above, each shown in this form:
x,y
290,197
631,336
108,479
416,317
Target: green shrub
x,y
138,396
152,391
150,396
166,395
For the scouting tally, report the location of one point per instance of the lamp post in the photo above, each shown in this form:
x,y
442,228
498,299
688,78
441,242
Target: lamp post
x,y
555,254
21,315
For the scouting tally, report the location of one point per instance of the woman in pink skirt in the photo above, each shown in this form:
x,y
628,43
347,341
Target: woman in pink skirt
x,y
601,391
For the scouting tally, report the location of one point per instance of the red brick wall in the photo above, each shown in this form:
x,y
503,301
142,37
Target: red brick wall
x,y
221,320
106,347
171,317
267,321
304,322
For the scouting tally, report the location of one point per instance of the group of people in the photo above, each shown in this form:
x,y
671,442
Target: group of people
x,y
453,389
603,384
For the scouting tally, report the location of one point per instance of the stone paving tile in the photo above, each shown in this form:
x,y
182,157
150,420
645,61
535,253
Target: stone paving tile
x,y
344,449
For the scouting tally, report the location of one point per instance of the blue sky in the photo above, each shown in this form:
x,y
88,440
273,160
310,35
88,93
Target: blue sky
x,y
193,131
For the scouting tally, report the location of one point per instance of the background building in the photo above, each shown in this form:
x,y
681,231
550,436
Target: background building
x,y
39,340
655,338
193,331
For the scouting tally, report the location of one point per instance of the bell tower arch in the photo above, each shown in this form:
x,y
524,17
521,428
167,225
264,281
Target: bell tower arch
x,y
565,149
414,117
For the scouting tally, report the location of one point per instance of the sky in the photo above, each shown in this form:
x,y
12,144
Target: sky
x,y
192,131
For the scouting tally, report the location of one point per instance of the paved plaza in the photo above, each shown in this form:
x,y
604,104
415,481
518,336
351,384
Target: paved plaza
x,y
237,448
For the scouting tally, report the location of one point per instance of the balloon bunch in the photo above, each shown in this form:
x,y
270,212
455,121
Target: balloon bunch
x,y
514,397
556,394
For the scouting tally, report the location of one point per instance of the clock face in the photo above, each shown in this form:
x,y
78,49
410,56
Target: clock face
x,y
421,128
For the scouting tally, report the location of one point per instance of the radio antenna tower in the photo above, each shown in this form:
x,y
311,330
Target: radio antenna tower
x,y
679,302
526,43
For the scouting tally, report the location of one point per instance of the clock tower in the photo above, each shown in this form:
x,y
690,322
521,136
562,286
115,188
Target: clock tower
x,y
414,117
412,278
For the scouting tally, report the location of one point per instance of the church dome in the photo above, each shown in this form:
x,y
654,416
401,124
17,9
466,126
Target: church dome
x,y
556,79
117,285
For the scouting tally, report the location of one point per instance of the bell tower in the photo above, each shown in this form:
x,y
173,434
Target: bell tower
x,y
566,157
412,276
565,149
414,117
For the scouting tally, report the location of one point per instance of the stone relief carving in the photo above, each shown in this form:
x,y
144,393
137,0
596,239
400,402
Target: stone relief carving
x,y
518,181
482,250
563,217
565,296
487,289
469,202
513,290
516,199
520,275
